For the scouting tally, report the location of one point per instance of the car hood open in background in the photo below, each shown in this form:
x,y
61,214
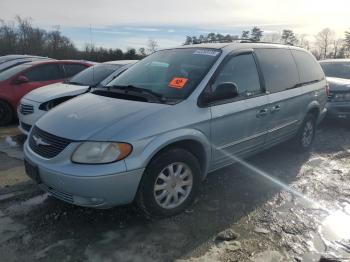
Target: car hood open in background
x,y
338,84
49,92
86,115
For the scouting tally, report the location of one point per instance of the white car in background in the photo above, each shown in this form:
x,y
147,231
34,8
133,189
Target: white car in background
x,y
38,102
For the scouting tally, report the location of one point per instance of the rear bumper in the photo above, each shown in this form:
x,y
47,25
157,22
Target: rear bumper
x,y
338,110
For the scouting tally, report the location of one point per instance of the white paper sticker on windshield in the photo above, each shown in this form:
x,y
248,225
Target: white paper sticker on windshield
x,y
206,52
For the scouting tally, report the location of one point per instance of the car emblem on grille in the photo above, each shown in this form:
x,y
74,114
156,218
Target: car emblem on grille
x,y
40,142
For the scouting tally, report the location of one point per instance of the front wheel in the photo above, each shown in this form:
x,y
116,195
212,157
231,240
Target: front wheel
x,y
170,183
306,134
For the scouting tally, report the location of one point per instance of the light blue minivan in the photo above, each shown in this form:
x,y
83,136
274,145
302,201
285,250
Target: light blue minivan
x,y
155,132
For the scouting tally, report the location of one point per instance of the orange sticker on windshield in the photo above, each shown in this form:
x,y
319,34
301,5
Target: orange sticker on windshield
x,y
178,82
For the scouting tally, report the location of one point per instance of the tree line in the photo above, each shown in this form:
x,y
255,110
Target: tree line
x,y
325,44
21,37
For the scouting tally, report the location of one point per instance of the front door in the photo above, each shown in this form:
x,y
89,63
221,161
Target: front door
x,y
238,127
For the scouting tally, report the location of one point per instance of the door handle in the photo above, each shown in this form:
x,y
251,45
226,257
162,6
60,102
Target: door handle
x,y
262,112
275,108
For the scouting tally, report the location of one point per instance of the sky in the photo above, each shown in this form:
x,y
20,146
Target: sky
x,y
130,23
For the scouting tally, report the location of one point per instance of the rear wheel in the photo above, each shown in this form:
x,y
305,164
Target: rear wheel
x,y
306,134
6,113
169,184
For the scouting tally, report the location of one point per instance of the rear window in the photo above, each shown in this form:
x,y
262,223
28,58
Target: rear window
x,y
279,69
309,68
73,69
336,69
93,75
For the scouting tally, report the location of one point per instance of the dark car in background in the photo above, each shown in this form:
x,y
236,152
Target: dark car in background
x,y
338,77
19,80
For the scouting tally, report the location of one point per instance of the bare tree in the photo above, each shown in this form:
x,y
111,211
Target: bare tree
x,y
303,42
142,51
338,45
324,41
152,45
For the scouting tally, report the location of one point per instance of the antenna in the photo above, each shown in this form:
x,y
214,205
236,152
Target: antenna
x,y
93,69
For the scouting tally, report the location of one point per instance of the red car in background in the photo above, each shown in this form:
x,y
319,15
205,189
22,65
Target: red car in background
x,y
19,80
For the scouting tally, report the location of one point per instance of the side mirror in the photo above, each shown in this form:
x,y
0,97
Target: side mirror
x,y
227,90
21,80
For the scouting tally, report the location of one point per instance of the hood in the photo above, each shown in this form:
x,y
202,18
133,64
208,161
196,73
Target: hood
x,y
338,84
84,116
49,92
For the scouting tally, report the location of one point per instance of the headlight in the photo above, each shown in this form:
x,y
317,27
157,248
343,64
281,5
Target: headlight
x,y
101,152
47,106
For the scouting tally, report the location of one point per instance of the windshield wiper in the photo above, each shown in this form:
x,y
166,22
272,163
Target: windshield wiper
x,y
139,90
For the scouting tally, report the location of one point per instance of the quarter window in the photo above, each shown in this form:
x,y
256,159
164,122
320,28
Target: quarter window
x,y
240,70
309,69
279,69
44,73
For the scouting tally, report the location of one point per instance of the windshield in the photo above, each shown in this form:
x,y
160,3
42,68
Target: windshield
x,y
172,74
340,70
93,75
12,71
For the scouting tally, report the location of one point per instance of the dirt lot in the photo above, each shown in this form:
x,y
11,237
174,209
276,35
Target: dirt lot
x,y
281,206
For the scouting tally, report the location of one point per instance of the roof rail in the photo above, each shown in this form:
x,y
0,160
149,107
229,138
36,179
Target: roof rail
x,y
245,40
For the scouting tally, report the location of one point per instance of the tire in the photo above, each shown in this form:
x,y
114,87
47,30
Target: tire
x,y
154,190
305,137
6,113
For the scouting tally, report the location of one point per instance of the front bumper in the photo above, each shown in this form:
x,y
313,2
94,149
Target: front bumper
x,y
102,186
339,110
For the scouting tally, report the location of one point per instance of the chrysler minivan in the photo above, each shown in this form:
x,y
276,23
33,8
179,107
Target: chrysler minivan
x,y
158,129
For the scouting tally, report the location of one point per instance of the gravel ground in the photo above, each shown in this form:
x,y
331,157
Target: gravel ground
x,y
288,207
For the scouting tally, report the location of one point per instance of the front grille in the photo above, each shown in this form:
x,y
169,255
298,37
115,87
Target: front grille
x,y
26,127
26,109
45,144
58,194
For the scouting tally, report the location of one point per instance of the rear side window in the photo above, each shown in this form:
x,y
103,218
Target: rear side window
x,y
279,69
73,69
44,73
309,68
242,71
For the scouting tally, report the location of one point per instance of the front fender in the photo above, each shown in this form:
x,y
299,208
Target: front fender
x,y
145,150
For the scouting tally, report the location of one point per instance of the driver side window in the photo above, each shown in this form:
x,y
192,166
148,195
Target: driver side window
x,y
240,70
